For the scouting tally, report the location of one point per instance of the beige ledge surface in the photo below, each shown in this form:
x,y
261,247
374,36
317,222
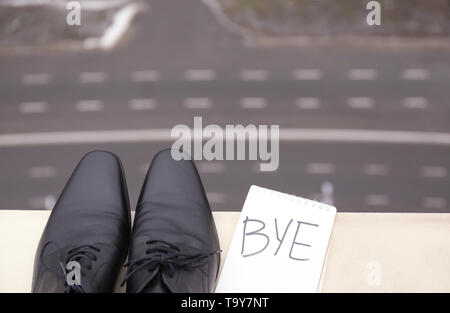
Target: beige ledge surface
x,y
369,252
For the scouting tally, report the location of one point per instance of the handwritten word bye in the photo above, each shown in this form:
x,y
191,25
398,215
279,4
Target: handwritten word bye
x,y
255,242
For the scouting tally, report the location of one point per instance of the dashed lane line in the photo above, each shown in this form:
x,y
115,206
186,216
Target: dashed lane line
x,y
254,75
42,203
92,77
89,106
142,104
376,169
33,107
216,197
361,103
362,74
253,103
308,103
377,200
415,103
415,74
145,76
307,74
209,167
197,103
36,79
200,75
320,168
434,203
42,172
434,172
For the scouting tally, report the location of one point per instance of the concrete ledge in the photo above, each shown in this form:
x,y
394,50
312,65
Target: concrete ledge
x,y
369,252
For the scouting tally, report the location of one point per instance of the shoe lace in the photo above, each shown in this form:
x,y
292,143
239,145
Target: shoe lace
x,y
161,253
84,254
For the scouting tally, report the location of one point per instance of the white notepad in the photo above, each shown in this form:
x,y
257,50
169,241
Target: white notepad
x,y
279,245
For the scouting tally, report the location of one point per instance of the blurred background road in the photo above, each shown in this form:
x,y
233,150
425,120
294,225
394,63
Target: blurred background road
x,y
179,62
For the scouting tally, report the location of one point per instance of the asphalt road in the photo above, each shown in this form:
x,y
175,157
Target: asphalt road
x,y
175,66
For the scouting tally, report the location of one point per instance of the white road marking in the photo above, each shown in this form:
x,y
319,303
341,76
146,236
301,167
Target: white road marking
x,y
91,5
415,103
39,203
434,172
216,197
145,76
120,23
365,135
327,190
376,169
362,74
434,203
145,167
50,201
89,105
308,103
42,172
210,167
314,196
377,200
200,75
415,74
36,203
254,75
33,107
320,168
198,103
253,103
256,167
286,134
142,104
307,74
36,79
361,103
92,77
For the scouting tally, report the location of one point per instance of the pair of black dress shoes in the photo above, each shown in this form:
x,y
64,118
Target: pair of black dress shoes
x,y
173,246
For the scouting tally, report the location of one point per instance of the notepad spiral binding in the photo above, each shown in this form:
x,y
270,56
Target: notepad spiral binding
x,y
293,198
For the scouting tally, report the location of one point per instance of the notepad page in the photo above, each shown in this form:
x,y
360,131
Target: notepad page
x,y
279,244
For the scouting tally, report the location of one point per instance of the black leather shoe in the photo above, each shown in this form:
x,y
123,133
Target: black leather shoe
x,y
174,245
90,224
